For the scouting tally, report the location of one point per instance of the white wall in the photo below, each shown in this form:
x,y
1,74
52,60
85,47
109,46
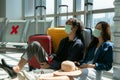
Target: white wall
x,y
14,9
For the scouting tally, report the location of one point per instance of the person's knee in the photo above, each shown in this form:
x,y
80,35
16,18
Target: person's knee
x,y
34,46
35,43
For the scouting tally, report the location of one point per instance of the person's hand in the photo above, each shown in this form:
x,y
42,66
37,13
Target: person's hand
x,y
44,65
87,66
77,63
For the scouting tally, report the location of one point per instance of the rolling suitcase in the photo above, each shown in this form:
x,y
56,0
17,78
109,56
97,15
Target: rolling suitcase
x,y
56,34
45,41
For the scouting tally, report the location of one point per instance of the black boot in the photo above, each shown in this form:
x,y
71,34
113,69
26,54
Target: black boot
x,y
8,69
5,64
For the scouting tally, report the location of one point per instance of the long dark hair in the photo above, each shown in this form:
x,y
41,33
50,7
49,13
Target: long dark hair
x,y
106,34
77,23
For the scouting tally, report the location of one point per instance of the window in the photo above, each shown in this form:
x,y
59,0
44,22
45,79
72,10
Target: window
x,y
52,19
81,18
101,4
79,5
108,17
29,7
70,6
49,6
63,20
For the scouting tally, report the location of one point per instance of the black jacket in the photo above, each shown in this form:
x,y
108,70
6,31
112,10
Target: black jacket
x,y
69,50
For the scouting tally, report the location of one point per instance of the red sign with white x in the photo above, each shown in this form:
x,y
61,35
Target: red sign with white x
x,y
14,29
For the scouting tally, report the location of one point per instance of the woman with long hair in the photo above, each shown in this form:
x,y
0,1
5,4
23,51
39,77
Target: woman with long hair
x,y
99,56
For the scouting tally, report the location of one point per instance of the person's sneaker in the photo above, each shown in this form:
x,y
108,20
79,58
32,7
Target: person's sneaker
x,y
8,69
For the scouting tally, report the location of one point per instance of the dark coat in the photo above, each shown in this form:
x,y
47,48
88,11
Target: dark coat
x,y
68,50
103,58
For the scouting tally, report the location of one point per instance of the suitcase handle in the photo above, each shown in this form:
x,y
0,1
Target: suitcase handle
x,y
44,7
38,34
60,6
63,5
40,6
66,7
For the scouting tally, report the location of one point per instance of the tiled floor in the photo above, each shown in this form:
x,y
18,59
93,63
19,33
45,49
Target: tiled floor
x,y
13,58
